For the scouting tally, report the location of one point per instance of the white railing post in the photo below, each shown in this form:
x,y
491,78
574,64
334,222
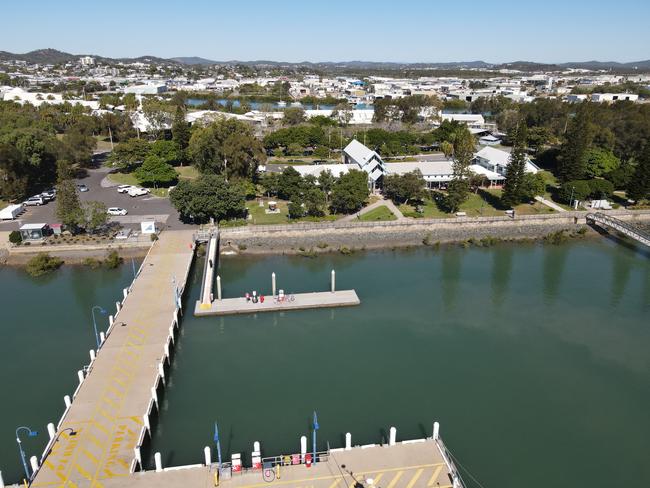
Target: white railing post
x,y
80,375
348,441
67,401
207,455
436,430
303,448
34,462
392,436
158,460
51,430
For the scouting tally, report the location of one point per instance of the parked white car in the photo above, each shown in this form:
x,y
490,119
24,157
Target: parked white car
x,y
124,188
35,200
116,211
136,191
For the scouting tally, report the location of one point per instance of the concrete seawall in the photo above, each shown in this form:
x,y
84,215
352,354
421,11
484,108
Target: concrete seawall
x,y
323,237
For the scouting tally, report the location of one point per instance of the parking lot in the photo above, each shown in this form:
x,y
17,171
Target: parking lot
x,y
146,207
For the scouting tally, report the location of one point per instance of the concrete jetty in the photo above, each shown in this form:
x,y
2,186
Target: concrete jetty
x,y
99,436
420,463
300,301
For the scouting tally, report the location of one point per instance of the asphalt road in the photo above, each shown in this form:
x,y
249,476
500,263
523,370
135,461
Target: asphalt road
x,y
139,208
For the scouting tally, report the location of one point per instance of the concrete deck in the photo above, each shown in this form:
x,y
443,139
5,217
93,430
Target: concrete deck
x,y
108,410
302,301
412,465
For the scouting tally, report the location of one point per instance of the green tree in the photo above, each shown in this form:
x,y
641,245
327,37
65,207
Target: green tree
x,y
532,185
208,197
154,172
271,183
168,151
78,147
290,183
639,186
350,192
294,116
42,264
458,188
157,115
326,181
68,206
572,163
295,208
513,189
180,130
315,203
402,188
600,162
447,149
130,154
227,146
94,216
14,176
570,191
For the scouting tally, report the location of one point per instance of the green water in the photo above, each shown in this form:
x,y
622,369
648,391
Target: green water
x,y
46,332
533,358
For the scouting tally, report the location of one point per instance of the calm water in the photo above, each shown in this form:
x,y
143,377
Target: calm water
x,y
533,358
47,331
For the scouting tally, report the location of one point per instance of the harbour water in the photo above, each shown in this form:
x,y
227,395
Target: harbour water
x,y
46,334
533,358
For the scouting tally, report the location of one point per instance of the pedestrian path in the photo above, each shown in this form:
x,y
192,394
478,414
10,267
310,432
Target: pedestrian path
x,y
379,203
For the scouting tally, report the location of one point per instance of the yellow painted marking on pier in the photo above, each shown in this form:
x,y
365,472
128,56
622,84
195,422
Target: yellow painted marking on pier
x,y
82,472
395,479
89,455
320,478
434,476
414,480
334,483
377,478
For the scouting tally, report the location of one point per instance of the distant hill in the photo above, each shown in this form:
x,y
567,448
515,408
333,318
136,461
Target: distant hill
x,y
53,56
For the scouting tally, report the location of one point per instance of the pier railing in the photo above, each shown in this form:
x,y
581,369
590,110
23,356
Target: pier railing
x,y
457,480
613,223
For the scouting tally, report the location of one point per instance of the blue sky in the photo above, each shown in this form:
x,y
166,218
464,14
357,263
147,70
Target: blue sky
x,y
335,30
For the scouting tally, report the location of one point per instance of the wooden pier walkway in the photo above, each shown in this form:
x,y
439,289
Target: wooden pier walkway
x,y
301,301
110,410
417,464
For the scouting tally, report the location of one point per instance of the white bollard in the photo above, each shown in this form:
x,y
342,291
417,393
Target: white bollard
x,y
138,455
333,281
147,425
158,460
218,287
436,430
348,441
80,374
256,447
303,448
51,430
111,319
167,352
67,401
34,462
392,436
154,395
92,355
102,338
2,482
208,456
117,307
125,292
273,283
161,372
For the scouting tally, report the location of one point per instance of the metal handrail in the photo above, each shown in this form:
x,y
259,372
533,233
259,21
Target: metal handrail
x,y
619,225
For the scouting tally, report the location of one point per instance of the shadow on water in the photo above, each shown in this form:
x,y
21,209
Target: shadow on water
x,y
451,262
554,262
621,270
501,272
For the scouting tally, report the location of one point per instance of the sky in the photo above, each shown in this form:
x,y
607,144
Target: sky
x,y
497,31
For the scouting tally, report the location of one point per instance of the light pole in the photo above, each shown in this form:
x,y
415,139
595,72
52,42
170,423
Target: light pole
x,y
103,312
56,439
30,433
315,426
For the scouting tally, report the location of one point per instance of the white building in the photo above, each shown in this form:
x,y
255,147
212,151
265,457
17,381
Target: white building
x,y
493,163
365,159
613,97
148,89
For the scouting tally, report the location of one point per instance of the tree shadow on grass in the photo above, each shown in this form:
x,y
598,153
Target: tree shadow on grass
x,y
492,200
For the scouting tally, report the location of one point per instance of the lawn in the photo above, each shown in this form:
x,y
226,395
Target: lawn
x,y
260,217
381,213
485,203
187,172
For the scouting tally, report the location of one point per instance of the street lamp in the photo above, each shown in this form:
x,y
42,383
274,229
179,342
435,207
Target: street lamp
x,y
56,439
30,433
316,427
103,312
571,199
